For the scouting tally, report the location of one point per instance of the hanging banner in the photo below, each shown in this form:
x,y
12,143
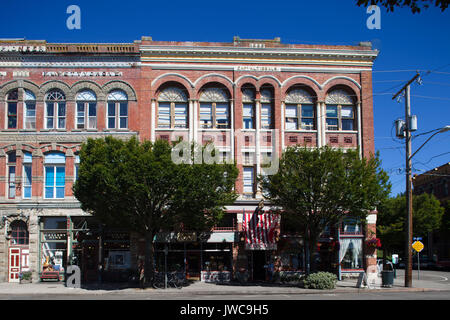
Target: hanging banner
x,y
259,229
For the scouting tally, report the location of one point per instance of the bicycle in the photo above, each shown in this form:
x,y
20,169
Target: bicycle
x,y
172,280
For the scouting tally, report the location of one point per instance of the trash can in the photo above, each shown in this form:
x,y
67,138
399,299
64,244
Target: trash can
x,y
387,278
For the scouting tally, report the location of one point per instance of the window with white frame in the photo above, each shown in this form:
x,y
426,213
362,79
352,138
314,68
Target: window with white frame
x,y
117,110
55,175
29,112
299,110
249,179
55,110
266,109
11,171
77,166
12,100
214,109
172,108
340,114
86,110
248,108
350,253
27,175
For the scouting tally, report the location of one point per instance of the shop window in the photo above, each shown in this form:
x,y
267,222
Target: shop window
x,y
11,167
350,253
11,101
55,176
55,110
29,120
340,113
300,113
19,233
172,108
214,109
117,110
27,175
86,110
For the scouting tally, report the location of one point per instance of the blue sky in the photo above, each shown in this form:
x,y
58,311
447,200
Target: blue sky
x,y
407,42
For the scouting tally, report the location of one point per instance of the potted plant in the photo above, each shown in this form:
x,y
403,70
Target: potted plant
x,y
26,277
372,244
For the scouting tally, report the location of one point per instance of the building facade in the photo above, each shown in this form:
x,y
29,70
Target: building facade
x,y
251,98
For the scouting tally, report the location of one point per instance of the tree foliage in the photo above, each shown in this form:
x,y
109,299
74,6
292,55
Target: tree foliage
x,y
137,186
415,5
317,188
391,222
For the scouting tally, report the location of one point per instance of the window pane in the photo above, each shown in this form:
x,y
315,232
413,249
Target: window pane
x,y
248,179
60,176
123,122
111,109
222,115
332,111
307,123
164,115
60,192
308,111
332,124
291,111
347,112
92,109
49,176
180,115
347,124
27,175
111,123
123,109
61,109
291,123
48,192
49,109
266,116
205,115
12,115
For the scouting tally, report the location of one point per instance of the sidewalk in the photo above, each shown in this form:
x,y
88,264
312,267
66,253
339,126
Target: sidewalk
x,y
344,286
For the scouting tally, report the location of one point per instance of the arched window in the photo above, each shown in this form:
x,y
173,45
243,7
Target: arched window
x,y
27,175
19,233
172,108
55,111
29,111
300,111
266,109
12,100
86,110
117,110
55,175
340,113
214,109
248,108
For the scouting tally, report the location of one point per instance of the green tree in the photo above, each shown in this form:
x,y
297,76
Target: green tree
x,y
391,221
415,5
317,188
139,187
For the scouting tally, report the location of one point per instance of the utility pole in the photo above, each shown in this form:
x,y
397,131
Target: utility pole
x,y
409,214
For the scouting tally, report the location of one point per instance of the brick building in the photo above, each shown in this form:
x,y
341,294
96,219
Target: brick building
x,y
252,98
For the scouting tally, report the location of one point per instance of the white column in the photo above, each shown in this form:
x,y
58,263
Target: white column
x,y
191,121
232,128
258,136
153,121
319,124
195,120
358,114
282,126
324,123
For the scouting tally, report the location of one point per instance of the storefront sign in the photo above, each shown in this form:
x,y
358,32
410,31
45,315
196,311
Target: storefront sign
x,y
54,236
82,74
187,236
220,237
23,48
257,68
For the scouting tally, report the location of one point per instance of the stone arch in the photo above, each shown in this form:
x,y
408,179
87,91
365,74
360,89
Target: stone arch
x,y
55,84
25,84
176,86
121,85
345,84
298,90
302,80
89,85
209,79
160,80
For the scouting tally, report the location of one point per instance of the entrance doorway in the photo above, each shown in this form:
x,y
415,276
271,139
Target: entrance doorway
x,y
193,266
14,264
259,260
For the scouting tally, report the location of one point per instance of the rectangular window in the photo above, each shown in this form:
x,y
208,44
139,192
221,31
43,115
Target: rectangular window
x,y
181,115
11,182
206,115
27,181
347,118
123,115
266,116
30,115
12,115
332,118
248,179
307,117
54,182
222,115
55,115
111,115
291,117
247,116
164,115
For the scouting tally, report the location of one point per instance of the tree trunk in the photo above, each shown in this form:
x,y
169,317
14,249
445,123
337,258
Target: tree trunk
x,y
149,266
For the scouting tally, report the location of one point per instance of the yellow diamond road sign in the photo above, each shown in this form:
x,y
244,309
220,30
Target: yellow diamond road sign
x,y
418,246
